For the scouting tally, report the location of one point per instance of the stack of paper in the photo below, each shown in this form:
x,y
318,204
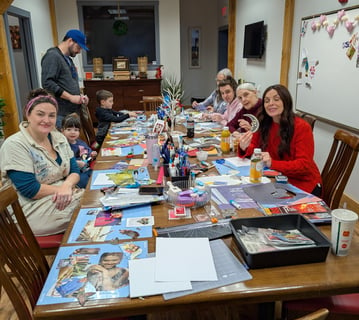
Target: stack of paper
x,y
184,266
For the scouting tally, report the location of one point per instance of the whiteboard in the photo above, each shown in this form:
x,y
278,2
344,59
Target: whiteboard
x,y
327,79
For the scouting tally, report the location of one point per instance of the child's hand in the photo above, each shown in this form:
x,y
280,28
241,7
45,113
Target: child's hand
x,y
80,163
132,114
93,154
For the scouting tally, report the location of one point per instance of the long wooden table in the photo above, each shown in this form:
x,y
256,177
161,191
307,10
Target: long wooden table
x,y
337,275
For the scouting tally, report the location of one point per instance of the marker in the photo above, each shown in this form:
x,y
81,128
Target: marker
x,y
235,204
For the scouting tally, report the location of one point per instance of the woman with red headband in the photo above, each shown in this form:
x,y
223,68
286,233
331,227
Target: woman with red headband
x,y
40,164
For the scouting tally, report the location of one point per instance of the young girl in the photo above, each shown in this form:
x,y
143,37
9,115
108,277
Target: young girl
x,y
71,127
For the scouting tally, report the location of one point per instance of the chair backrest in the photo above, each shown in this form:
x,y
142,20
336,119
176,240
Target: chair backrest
x,y
23,267
307,117
87,130
320,314
310,119
338,166
150,103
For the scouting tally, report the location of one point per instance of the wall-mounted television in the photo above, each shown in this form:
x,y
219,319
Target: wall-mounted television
x,y
254,38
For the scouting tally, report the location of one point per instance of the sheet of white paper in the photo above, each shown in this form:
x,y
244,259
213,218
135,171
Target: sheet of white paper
x,y
239,162
181,259
215,181
143,283
102,179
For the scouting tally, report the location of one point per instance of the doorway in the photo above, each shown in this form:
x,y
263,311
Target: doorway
x,y
21,52
223,47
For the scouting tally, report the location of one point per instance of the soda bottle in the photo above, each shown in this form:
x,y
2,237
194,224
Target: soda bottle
x,y
225,140
190,127
256,168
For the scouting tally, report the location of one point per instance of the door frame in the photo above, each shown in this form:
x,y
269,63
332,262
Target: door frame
x,y
28,51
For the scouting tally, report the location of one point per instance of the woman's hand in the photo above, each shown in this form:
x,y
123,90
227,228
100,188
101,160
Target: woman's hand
x,y
236,134
245,140
217,117
244,124
267,159
210,109
63,196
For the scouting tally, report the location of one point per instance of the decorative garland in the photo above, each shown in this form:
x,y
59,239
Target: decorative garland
x,y
323,22
119,28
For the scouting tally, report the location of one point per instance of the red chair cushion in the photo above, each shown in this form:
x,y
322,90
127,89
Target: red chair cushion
x,y
51,241
344,304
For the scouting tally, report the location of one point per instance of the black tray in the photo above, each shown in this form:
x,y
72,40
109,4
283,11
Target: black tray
x,y
317,253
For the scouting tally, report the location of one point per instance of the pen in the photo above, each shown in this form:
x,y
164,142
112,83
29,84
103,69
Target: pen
x,y
235,204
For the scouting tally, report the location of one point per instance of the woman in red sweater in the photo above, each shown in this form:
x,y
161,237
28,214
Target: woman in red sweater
x,y
286,141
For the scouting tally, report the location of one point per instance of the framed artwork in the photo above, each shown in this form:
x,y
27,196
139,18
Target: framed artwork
x,y
194,47
120,64
15,37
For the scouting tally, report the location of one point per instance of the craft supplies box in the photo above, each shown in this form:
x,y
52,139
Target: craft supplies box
x,y
284,257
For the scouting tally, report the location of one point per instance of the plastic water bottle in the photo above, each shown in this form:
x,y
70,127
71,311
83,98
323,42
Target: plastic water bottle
x,y
190,127
225,140
256,168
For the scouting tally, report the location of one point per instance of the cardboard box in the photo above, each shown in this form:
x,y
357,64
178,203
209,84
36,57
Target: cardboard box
x,y
283,257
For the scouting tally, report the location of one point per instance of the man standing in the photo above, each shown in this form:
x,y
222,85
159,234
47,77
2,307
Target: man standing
x,y
59,75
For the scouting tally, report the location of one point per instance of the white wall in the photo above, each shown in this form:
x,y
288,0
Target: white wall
x,y
323,133
199,82
41,26
264,71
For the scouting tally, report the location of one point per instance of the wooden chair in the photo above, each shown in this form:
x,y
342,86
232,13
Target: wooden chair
x,y
310,119
338,167
23,267
335,175
307,117
320,314
150,103
87,131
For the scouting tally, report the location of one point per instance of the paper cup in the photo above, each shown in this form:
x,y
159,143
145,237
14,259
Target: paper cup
x,y
343,223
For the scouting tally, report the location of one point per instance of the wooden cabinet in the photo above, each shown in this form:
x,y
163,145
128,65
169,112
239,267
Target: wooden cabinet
x,y
127,94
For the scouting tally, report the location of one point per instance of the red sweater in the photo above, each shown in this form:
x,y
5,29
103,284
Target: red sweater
x,y
299,166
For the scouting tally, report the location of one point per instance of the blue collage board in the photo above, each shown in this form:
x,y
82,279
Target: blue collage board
x,y
94,225
140,176
72,277
227,168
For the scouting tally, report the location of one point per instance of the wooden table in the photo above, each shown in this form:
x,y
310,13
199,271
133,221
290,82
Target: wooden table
x,y
337,275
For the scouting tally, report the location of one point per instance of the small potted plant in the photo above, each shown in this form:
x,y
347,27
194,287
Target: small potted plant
x,y
172,93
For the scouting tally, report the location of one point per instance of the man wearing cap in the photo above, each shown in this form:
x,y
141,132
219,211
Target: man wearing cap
x,y
59,75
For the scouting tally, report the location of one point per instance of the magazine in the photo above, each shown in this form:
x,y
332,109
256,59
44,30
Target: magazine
x,y
316,212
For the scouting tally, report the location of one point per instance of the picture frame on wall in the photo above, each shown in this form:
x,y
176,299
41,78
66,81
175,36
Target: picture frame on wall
x,y
120,64
194,47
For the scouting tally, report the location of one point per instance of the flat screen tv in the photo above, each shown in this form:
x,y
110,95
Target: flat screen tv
x,y
254,37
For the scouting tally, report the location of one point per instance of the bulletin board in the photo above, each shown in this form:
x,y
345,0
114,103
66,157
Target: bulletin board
x,y
328,67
